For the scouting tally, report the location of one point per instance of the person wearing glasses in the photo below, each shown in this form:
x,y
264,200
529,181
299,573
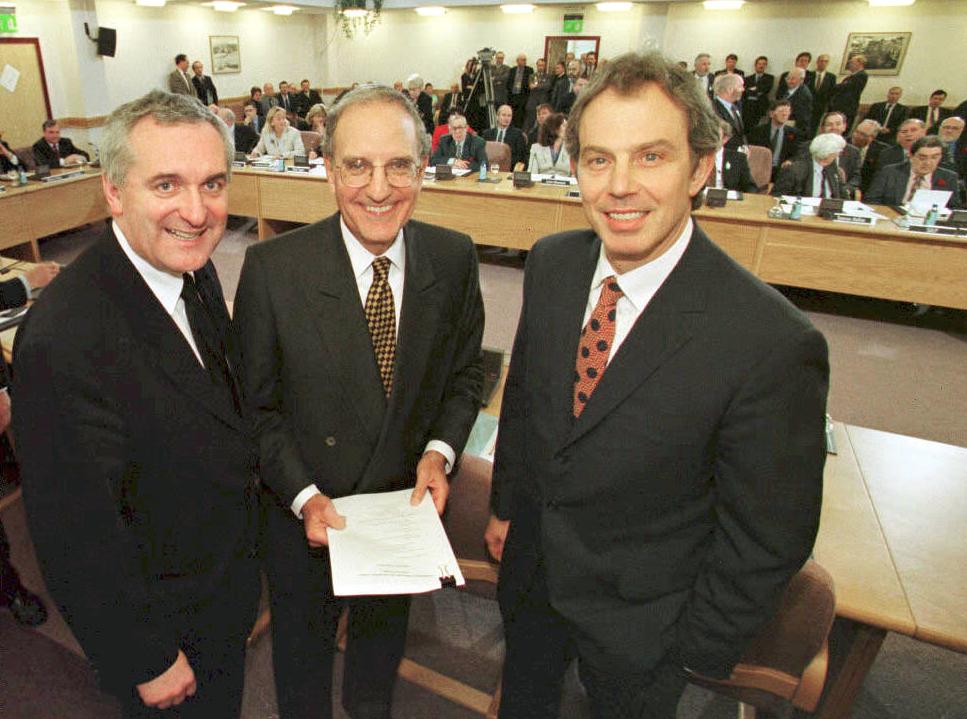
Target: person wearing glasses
x,y
361,336
460,149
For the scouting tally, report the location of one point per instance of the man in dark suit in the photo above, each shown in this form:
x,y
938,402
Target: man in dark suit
x,y
307,97
628,502
361,335
755,100
460,149
820,85
730,69
779,137
801,102
890,114
845,96
818,174
563,95
864,139
509,135
453,101
518,89
910,131
54,150
933,113
244,138
896,184
731,167
802,61
422,101
179,82
544,111
952,137
849,160
728,91
139,475
204,87
701,72
500,75
286,99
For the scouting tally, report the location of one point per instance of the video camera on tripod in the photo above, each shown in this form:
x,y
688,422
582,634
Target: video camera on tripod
x,y
483,77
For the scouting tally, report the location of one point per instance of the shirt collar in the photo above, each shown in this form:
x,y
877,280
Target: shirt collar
x,y
640,284
361,258
166,286
728,105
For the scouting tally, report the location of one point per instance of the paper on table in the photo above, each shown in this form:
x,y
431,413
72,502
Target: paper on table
x,y
923,200
389,547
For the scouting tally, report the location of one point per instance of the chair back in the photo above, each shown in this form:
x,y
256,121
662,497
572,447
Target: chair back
x,y
760,165
498,154
26,155
310,139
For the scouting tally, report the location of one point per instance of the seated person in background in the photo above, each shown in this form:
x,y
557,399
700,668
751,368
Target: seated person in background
x,y
244,138
316,119
864,139
268,99
933,113
56,151
563,95
278,138
817,175
849,161
453,101
460,149
255,95
544,111
549,155
731,169
910,131
251,117
896,184
889,113
506,133
8,158
308,98
776,135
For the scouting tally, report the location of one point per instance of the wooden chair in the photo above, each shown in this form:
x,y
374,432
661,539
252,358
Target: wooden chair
x,y
786,663
310,139
760,165
498,153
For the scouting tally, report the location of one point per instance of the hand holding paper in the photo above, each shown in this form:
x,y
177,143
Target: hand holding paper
x,y
318,514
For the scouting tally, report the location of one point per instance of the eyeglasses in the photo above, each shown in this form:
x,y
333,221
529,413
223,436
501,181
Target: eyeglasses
x,y
458,127
359,173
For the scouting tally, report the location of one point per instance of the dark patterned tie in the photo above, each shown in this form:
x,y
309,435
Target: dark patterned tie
x,y
595,345
381,318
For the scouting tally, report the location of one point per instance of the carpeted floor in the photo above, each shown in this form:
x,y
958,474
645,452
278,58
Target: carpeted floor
x,y
891,370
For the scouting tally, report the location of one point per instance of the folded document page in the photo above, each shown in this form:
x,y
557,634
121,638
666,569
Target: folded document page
x,y
389,547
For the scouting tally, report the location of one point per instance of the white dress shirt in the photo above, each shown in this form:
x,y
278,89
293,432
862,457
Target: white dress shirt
x,y
163,285
638,286
820,187
361,260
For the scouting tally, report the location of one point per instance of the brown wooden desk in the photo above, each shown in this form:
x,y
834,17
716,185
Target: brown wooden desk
x,y
880,261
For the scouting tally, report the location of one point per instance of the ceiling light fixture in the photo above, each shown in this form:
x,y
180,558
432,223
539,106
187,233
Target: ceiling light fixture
x,y
226,5
613,6
150,3
431,10
723,4
890,3
517,9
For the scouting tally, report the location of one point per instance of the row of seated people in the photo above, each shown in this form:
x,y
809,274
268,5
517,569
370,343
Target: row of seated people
x,y
51,150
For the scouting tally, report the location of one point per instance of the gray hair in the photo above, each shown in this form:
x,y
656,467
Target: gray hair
x,y
701,55
165,109
726,83
227,114
375,95
414,81
827,144
798,72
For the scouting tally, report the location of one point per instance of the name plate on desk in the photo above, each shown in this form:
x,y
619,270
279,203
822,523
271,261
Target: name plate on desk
x,y
853,219
716,196
299,169
63,176
938,230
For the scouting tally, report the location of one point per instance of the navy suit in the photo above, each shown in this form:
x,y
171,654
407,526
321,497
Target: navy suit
x,y
474,151
845,96
890,185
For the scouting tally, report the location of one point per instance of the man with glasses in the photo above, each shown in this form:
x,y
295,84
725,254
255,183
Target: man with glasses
x,y
361,335
460,149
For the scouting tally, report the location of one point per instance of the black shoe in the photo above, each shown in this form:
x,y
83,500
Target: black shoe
x,y
27,608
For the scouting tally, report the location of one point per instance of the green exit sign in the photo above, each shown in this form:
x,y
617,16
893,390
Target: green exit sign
x,y
573,23
8,22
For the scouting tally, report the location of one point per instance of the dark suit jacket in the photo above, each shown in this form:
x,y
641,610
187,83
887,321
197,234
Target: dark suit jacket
x,y
920,113
12,294
871,163
474,150
802,111
762,135
821,95
205,88
562,97
312,373
139,475
525,88
797,180
878,112
451,103
782,87
246,138
755,98
647,514
845,96
306,101
738,129
5,164
891,155
848,161
735,172
519,148
43,155
424,106
890,185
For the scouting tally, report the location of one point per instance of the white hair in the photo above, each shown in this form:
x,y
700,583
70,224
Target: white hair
x,y
825,145
414,81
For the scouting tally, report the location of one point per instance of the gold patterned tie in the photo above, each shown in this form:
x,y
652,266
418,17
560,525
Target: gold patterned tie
x,y
381,318
594,348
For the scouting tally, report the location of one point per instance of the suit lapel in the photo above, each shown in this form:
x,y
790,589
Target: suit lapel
x,y
667,323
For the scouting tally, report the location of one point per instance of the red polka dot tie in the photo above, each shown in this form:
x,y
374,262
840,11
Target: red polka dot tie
x,y
595,345
381,318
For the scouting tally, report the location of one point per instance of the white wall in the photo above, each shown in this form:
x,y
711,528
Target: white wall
x,y
782,29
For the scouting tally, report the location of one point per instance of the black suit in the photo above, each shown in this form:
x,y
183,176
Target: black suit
x,y
474,151
288,101
245,138
802,111
755,98
518,100
849,163
735,172
519,148
322,417
205,89
890,185
797,180
562,95
738,127
424,106
891,155
821,91
920,113
762,135
637,530
307,100
845,96
45,155
452,102
870,163
5,164
878,111
139,480
782,88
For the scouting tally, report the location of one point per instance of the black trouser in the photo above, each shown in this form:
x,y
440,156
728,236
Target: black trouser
x,y
304,619
9,579
518,103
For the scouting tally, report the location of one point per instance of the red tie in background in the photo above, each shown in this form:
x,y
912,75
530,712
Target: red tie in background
x,y
595,345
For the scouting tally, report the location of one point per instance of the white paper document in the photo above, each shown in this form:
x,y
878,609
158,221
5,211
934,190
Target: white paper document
x,y
923,200
9,77
389,547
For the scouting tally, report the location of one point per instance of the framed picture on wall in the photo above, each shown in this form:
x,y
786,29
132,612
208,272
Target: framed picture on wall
x,y
884,51
226,57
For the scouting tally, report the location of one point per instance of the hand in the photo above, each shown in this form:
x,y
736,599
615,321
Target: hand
x,y
74,159
42,274
4,410
461,164
495,535
431,473
170,688
318,515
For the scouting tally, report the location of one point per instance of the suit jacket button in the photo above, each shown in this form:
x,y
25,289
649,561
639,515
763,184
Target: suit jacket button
x,y
330,441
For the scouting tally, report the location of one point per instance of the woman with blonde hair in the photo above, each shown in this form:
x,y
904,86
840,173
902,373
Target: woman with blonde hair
x,y
279,139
